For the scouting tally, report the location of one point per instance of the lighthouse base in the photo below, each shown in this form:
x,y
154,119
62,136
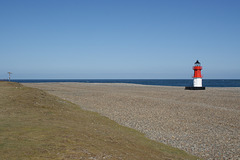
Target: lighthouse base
x,y
194,88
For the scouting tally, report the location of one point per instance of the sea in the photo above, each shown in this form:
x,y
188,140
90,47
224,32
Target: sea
x,y
159,82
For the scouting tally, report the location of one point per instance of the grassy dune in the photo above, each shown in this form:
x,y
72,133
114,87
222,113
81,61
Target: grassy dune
x,y
36,125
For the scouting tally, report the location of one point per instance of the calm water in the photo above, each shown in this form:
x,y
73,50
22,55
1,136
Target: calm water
x,y
161,82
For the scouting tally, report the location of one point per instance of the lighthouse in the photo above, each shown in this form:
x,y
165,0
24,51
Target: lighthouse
x,y
197,77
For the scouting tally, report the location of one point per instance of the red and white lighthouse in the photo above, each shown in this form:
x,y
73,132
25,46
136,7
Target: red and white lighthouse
x,y
197,78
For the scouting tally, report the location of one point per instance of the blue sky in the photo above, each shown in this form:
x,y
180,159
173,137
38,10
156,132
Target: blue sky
x,y
119,38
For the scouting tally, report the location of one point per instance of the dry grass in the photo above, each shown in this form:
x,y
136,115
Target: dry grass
x,y
36,125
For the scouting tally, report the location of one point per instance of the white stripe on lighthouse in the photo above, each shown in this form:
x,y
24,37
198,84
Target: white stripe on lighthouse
x,y
197,82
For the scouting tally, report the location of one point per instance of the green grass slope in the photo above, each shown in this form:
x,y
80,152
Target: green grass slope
x,y
36,125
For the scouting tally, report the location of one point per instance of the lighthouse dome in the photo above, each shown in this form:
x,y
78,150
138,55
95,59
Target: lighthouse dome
x,y
197,63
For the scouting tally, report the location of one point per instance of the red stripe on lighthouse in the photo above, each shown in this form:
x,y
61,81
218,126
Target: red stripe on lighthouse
x,y
197,71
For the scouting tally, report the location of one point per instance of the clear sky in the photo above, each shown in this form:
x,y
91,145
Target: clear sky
x,y
119,38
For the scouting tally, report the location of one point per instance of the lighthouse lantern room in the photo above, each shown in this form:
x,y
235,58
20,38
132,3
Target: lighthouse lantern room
x,y
197,77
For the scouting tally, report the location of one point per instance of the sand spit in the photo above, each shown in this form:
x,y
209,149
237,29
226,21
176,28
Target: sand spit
x,y
203,123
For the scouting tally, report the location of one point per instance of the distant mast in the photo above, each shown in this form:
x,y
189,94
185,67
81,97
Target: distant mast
x,y
197,77
9,76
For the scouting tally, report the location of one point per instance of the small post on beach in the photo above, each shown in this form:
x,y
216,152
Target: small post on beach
x,y
197,78
9,77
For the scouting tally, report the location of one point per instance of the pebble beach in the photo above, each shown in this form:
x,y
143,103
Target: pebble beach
x,y
204,123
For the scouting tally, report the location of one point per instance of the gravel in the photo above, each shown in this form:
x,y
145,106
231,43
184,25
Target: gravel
x,y
204,123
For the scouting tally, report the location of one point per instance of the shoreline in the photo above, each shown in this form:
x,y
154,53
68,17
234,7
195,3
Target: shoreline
x,y
160,82
123,83
203,123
